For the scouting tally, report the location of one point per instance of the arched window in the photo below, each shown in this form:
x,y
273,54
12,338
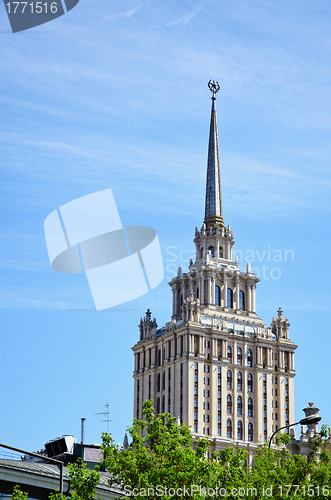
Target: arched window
x,y
230,298
229,403
249,358
241,300
229,428
211,250
250,431
220,252
230,354
239,382
240,429
229,379
217,296
201,252
250,407
250,382
239,356
239,405
197,292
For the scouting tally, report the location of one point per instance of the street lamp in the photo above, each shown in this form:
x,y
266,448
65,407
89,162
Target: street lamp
x,y
312,419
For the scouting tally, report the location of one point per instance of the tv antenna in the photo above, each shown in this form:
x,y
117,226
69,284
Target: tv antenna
x,y
106,414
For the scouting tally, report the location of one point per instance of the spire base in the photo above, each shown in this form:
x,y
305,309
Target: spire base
x,y
214,219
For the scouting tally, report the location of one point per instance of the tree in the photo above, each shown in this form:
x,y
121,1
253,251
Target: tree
x,y
163,462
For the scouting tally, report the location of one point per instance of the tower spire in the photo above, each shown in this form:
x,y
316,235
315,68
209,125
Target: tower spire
x,y
213,208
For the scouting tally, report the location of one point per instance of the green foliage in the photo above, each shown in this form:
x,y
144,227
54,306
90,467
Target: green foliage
x,y
18,494
163,460
83,481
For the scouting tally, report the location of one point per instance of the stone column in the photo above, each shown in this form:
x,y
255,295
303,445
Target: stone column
x,y
249,301
202,290
225,288
253,298
237,293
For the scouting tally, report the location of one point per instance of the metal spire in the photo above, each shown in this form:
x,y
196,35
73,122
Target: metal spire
x,y
213,209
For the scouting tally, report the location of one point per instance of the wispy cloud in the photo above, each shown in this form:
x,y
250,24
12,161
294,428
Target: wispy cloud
x,y
128,13
187,18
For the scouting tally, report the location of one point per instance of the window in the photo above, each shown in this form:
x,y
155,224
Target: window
x,y
239,382
217,296
208,368
207,418
240,429
207,406
195,403
250,382
195,416
229,403
219,369
230,354
264,377
239,405
229,298
207,393
239,356
229,379
212,251
250,407
158,383
204,393
203,405
229,428
195,428
207,380
250,431
203,418
249,358
204,380
241,301
197,292
220,252
201,253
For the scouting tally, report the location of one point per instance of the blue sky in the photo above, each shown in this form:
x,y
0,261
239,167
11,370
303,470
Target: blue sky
x,y
115,95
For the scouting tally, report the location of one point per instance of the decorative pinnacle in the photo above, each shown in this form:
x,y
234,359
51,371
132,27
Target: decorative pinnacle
x,y
213,87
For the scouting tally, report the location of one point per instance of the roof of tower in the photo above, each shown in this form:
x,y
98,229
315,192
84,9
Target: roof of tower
x,y
213,207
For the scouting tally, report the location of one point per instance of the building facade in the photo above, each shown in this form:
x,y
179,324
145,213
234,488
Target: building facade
x,y
216,366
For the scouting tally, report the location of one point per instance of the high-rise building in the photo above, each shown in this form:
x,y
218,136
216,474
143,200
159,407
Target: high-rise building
x,y
216,366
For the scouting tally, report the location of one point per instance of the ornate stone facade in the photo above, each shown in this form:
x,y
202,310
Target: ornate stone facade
x,y
216,366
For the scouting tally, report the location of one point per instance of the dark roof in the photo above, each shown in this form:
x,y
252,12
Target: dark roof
x,y
50,471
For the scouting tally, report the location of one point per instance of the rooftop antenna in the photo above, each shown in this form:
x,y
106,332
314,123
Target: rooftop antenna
x,y
106,414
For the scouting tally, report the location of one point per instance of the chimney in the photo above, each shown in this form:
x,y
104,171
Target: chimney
x,y
83,431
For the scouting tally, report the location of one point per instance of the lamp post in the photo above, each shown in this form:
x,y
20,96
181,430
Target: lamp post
x,y
312,419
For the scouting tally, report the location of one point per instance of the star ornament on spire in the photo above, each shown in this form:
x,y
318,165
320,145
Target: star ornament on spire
x,y
213,87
